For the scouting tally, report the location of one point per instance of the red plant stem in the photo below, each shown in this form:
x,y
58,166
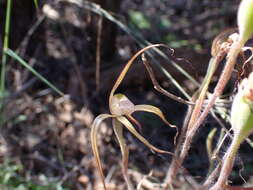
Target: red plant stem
x,y
225,76
239,188
227,165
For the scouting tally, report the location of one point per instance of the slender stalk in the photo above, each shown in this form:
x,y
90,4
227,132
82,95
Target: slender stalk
x,y
174,165
4,56
225,76
204,88
212,176
98,52
228,162
235,50
187,135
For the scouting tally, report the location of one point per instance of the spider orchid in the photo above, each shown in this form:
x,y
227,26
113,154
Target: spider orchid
x,y
121,110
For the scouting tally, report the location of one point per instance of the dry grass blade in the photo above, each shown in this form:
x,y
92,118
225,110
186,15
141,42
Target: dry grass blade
x,y
131,128
94,133
98,53
138,38
118,130
209,143
209,148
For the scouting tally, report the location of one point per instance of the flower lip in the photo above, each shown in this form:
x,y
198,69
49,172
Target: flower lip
x,y
121,105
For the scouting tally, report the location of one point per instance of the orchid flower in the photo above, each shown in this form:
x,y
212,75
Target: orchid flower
x,y
121,110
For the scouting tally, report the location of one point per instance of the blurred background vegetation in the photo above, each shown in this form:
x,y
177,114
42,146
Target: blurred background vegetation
x,y
81,48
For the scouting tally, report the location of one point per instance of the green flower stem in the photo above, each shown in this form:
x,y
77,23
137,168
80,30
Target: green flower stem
x,y
6,44
4,58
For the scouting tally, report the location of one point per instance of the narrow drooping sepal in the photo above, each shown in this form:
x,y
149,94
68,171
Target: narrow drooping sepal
x,y
154,110
118,130
94,132
131,128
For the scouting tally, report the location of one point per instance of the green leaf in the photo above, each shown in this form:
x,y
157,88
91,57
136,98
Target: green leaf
x,y
165,23
138,19
21,187
26,65
36,3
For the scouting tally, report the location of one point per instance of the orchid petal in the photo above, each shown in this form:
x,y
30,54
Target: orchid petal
x,y
129,63
133,120
154,110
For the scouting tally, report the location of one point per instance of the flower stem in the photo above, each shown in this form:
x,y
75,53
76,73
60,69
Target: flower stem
x,y
228,162
4,57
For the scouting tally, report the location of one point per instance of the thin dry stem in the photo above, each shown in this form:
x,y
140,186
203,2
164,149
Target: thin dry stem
x,y
210,179
194,115
225,76
204,87
158,87
227,164
98,53
174,163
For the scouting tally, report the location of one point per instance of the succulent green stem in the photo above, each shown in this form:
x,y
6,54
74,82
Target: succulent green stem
x,y
4,57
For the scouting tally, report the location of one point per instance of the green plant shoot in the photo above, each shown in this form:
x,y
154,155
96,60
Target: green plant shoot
x,y
245,19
